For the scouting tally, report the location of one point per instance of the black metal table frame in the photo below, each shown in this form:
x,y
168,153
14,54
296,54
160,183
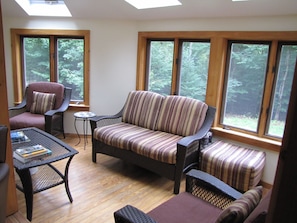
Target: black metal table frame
x,y
84,116
23,170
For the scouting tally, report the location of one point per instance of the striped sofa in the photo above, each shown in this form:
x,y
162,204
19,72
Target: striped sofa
x,y
159,133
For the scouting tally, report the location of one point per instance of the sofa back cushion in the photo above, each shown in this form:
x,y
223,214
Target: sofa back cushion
x,y
45,87
142,108
181,115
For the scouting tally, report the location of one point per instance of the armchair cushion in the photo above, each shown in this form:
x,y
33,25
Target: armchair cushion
x,y
42,102
240,209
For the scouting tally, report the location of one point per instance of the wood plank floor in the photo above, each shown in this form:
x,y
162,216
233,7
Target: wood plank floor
x,y
98,189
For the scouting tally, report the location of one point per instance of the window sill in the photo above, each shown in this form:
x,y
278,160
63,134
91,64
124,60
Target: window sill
x,y
79,107
247,139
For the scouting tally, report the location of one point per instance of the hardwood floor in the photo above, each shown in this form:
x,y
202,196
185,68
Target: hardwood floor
x,y
98,189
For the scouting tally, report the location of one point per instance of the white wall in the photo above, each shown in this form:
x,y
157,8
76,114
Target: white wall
x,y
114,54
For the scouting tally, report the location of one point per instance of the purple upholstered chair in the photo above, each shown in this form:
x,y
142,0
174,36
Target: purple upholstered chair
x,y
43,107
4,171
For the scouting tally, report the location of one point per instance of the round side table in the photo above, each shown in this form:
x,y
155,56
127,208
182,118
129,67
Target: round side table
x,y
83,116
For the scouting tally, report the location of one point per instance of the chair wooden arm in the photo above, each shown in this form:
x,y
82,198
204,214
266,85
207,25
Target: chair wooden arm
x,y
196,178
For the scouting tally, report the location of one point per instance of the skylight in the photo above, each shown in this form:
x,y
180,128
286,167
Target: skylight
x,y
44,7
145,4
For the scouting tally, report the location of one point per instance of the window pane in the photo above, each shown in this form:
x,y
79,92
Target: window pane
x,y
70,67
282,90
160,66
36,59
194,69
244,86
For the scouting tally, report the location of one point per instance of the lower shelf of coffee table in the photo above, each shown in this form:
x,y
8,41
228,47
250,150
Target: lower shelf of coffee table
x,y
44,177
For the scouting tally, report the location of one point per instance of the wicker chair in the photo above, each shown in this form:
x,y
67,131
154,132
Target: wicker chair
x,y
43,107
206,200
4,171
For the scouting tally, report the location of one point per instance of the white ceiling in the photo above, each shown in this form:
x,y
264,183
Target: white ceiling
x,y
119,9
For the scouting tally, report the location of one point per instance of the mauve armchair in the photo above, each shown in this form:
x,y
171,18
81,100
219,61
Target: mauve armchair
x,y
4,171
43,107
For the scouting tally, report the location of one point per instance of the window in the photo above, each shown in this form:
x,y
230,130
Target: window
x,y
282,89
193,71
247,76
186,77
160,66
56,56
245,85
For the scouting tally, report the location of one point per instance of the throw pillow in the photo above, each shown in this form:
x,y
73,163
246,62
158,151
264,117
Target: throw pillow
x,y
240,209
42,102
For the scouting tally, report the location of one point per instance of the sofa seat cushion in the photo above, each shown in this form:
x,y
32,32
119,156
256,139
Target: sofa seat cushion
x,y
156,145
181,115
142,108
27,119
185,208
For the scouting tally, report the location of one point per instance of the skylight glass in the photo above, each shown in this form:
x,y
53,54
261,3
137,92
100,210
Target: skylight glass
x,y
145,4
45,7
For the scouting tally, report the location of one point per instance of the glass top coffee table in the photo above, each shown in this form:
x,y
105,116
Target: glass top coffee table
x,y
46,176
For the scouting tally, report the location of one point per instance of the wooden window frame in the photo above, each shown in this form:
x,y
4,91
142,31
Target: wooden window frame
x,y
216,73
17,68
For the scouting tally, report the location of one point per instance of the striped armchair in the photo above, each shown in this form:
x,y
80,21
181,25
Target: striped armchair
x,y
158,133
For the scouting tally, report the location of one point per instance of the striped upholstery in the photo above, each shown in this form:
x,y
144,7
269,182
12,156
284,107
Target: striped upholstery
x,y
159,146
153,124
142,108
239,167
240,209
156,145
42,102
181,115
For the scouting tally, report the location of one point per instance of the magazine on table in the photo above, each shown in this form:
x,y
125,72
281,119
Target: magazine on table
x,y
29,153
19,136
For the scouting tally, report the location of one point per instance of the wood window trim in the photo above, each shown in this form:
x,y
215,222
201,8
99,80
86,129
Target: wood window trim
x,y
217,64
16,35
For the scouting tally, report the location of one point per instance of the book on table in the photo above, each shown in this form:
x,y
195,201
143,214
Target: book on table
x,y
29,153
18,136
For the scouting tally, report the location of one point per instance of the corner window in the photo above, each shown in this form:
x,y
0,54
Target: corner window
x,y
49,56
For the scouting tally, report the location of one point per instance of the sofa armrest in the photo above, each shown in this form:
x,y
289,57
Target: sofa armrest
x,y
196,178
103,120
130,214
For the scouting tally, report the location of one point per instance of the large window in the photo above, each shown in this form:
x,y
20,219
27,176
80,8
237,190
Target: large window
x,y
245,84
52,56
183,72
247,76
244,87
